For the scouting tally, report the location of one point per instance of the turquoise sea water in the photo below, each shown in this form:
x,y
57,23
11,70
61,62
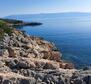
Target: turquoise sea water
x,y
70,33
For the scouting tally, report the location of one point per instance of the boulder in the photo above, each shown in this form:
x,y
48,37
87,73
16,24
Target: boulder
x,y
11,52
5,53
24,64
69,66
7,81
24,40
55,56
79,81
52,65
31,55
10,63
27,81
87,79
29,45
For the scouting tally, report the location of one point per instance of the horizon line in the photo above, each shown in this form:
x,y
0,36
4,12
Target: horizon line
x,y
44,13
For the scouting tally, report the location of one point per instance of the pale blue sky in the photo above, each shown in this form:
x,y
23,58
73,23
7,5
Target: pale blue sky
x,y
12,7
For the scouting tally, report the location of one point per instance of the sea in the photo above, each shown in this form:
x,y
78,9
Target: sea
x,y
71,33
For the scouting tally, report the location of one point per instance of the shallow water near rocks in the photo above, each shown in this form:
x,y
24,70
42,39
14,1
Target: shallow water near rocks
x,y
72,36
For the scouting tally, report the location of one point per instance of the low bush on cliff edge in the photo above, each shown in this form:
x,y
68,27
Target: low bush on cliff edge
x,y
4,28
12,21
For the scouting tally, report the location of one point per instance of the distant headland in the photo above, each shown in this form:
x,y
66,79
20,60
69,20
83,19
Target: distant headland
x,y
14,22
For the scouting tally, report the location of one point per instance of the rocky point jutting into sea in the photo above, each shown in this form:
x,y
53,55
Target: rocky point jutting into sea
x,y
32,60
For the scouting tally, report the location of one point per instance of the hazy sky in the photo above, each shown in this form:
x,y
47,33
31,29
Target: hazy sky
x,y
10,7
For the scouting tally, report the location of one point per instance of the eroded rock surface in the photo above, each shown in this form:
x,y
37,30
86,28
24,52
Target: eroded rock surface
x,y
31,60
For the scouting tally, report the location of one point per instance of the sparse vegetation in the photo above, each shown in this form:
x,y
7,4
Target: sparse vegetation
x,y
12,21
4,28
6,24
20,22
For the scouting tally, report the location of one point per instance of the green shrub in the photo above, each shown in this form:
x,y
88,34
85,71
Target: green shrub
x,y
4,28
12,21
1,34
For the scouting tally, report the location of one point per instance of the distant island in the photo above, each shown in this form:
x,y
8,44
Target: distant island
x,y
46,15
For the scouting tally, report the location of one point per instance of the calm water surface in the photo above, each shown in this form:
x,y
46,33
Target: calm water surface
x,y
72,36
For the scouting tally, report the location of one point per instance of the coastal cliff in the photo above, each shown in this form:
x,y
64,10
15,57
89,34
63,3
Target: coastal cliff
x,y
32,60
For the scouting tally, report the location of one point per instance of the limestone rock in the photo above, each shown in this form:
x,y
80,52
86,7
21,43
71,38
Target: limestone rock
x,y
32,60
11,52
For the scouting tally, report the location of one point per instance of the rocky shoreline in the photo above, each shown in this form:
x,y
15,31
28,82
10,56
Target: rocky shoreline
x,y
31,60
